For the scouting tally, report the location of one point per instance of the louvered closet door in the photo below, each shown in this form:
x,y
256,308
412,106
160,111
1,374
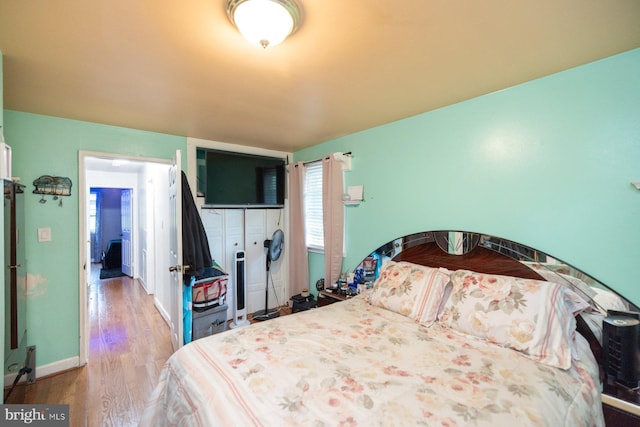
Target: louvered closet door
x,y
224,229
233,241
213,220
255,232
274,221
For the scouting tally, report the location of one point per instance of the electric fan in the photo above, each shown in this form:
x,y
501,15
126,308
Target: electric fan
x,y
240,292
274,249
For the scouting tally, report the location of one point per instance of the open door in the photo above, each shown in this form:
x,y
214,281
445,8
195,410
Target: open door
x,y
126,220
175,251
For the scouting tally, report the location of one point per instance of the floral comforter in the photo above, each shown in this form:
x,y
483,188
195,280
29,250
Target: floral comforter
x,y
353,364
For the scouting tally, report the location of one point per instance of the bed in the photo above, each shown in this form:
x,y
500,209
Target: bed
x,y
441,340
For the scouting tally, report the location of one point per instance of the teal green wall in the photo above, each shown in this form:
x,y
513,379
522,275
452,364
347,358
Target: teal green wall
x,y
2,325
45,145
547,163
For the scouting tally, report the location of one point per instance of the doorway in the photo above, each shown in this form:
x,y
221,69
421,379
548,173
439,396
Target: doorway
x,y
141,184
110,231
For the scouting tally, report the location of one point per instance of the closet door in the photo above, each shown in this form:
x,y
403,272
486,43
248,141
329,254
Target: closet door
x,y
224,229
255,233
278,271
231,230
213,222
233,241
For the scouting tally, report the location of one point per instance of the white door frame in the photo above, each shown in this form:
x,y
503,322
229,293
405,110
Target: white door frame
x,y
83,256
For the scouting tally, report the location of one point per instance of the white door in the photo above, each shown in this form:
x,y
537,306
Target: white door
x,y
175,252
274,221
256,255
126,220
233,234
150,244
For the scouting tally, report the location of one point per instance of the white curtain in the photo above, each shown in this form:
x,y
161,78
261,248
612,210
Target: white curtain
x,y
298,259
333,218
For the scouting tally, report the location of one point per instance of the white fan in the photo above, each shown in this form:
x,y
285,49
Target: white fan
x,y
274,250
240,292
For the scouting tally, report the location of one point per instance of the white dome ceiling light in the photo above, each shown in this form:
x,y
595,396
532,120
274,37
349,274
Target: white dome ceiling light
x,y
264,22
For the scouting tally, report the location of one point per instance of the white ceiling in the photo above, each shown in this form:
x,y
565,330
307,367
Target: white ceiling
x,y
123,165
179,67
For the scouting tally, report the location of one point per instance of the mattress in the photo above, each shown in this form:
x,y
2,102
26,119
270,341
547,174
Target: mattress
x,y
352,363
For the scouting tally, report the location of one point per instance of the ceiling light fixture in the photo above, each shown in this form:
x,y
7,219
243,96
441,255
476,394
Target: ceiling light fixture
x,y
264,22
118,162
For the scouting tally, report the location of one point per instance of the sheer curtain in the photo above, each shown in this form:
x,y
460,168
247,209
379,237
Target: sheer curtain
x,y
298,259
333,218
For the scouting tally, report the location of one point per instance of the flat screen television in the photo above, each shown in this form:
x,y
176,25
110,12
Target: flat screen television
x,y
243,180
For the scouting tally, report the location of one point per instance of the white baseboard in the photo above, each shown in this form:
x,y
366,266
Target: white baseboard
x,y
44,370
144,285
162,311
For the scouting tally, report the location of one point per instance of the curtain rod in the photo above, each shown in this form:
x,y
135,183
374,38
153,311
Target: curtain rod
x,y
322,158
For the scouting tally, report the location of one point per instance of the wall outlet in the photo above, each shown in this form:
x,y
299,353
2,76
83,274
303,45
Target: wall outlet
x,y
44,234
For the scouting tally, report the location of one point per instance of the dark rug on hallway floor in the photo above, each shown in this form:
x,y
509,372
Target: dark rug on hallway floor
x,y
109,273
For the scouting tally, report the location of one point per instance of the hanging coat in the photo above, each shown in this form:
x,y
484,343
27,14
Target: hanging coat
x,y
195,245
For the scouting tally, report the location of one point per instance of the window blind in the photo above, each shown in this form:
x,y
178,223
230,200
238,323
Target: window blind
x,y
269,186
314,231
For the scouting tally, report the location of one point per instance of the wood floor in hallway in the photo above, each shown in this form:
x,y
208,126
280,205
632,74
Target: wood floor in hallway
x,y
129,344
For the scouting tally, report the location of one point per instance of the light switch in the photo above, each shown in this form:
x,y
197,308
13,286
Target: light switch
x,y
44,234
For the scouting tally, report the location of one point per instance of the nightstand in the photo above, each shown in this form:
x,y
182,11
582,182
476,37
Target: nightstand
x,y
301,303
325,298
620,405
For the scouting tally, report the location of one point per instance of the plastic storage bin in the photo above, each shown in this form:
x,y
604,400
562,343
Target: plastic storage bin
x,y
209,321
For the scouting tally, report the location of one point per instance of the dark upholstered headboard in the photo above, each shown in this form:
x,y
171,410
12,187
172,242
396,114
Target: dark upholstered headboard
x,y
480,259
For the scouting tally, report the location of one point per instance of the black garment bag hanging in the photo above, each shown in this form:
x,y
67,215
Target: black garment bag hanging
x,y
196,255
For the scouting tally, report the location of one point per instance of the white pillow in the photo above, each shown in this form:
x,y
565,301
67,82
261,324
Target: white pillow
x,y
533,317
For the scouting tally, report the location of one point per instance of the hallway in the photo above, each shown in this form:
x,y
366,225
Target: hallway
x,y
129,344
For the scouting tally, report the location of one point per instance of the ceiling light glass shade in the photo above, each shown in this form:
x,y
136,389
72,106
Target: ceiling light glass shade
x,y
264,22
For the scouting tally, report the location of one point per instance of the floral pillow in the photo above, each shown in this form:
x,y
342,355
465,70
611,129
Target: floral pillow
x,y
530,316
410,289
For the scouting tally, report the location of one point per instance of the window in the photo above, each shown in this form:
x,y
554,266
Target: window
x,y
313,206
268,188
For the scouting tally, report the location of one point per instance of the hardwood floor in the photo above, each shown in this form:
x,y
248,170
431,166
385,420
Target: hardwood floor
x,y
129,344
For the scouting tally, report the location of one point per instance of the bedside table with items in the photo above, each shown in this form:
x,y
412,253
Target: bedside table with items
x,y
302,303
327,297
620,405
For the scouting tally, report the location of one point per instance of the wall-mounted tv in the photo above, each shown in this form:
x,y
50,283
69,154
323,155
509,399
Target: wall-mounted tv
x,y
243,180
